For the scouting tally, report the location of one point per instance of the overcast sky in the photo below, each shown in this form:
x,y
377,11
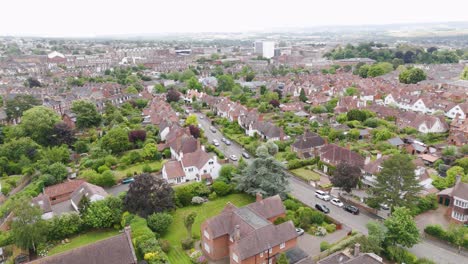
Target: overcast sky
x,y
75,18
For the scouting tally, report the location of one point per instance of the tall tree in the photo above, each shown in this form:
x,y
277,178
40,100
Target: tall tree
x,y
396,183
16,107
28,228
62,134
86,114
377,233
116,140
346,176
302,95
188,222
264,175
148,194
38,123
401,228
172,95
225,83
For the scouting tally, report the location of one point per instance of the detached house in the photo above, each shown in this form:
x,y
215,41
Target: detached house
x,y
456,198
306,145
247,234
459,110
335,155
423,123
195,166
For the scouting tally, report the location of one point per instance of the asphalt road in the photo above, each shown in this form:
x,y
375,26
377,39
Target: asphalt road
x,y
305,193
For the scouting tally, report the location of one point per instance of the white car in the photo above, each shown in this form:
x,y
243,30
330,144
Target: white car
x,y
201,117
233,157
322,195
215,142
337,202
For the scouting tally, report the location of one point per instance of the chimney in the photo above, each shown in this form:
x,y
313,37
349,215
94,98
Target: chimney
x,y
258,197
357,249
236,233
458,179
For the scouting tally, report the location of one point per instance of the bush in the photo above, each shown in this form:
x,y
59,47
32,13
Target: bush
x,y
291,205
185,193
400,255
212,196
280,220
159,222
435,230
187,243
330,228
165,246
221,188
321,231
294,164
103,168
63,226
324,245
197,200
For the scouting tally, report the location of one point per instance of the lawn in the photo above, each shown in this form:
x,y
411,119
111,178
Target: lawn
x,y
306,174
138,168
177,231
83,239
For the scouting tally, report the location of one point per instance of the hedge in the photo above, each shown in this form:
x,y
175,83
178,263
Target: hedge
x,y
447,235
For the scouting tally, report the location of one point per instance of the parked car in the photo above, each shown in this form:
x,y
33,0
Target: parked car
x,y
384,206
215,142
245,155
213,129
322,208
227,142
201,117
351,209
299,231
223,139
337,202
233,157
128,180
322,195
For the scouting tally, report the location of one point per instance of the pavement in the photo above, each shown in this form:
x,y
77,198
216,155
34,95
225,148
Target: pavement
x,y
311,244
305,193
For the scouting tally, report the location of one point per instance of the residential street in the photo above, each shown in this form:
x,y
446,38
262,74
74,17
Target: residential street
x,y
305,193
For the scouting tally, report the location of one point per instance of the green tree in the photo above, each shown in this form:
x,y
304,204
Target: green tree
x,y
15,107
58,171
221,188
412,75
28,228
225,83
191,120
86,114
282,259
401,228
377,233
264,175
104,213
189,219
464,74
193,84
302,95
396,183
226,173
38,123
116,140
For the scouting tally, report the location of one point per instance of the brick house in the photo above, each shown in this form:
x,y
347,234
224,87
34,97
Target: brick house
x,y
62,192
456,198
334,155
307,145
247,235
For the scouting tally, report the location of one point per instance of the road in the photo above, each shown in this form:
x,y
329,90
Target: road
x,y
305,193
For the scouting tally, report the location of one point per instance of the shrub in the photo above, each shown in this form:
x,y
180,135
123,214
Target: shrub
x,y
221,188
280,220
291,205
321,231
63,226
103,168
187,243
400,255
330,228
197,200
165,246
435,230
324,245
147,168
159,222
212,196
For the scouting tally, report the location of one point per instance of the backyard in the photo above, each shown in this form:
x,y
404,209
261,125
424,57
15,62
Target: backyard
x,y
83,240
177,232
138,168
306,174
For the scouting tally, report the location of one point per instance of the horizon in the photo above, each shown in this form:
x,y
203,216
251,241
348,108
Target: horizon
x,y
88,19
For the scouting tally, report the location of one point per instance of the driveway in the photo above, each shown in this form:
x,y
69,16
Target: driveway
x,y
311,244
433,217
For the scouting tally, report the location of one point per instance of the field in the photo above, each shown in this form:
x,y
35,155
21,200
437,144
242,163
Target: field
x,y
83,239
177,231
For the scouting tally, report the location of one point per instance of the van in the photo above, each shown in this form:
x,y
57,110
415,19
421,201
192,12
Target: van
x,y
322,195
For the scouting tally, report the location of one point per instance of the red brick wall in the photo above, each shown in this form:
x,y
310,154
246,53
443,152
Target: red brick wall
x,y
275,252
219,247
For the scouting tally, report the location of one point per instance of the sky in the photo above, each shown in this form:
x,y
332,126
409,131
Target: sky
x,y
88,18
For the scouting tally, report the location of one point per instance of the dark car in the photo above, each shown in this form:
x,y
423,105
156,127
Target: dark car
x,y
322,208
351,209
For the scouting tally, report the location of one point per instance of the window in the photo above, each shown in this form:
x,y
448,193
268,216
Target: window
x,y
231,239
261,254
235,258
282,245
211,162
205,233
270,250
461,203
207,247
190,169
459,216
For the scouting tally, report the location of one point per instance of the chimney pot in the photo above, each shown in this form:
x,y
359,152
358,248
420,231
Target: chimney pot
x,y
237,233
357,249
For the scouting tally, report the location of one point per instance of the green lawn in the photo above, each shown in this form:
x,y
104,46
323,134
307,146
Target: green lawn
x,y
83,239
138,168
177,231
306,174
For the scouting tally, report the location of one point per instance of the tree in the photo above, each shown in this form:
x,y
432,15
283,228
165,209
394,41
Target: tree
x,y
58,171
116,140
28,228
221,188
302,95
356,114
226,173
225,83
197,106
62,134
33,82
346,176
401,228
412,75
86,114
263,89
193,84
189,219
103,213
148,194
264,175
396,183
464,74
159,222
376,235
191,120
15,107
274,103
282,259
38,123
195,131
172,95
272,148
137,135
